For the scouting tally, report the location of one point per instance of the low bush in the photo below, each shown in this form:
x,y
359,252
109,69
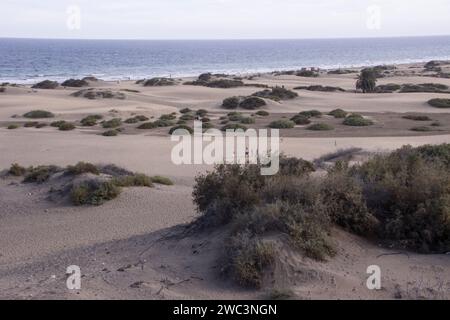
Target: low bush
x,y
162,180
282,124
38,114
320,88
91,120
417,118
17,170
300,120
168,117
439,103
276,94
12,127
158,82
134,180
252,103
185,110
231,103
320,127
235,116
262,113
82,168
58,123
110,133
163,123
148,126
356,120
113,123
338,113
201,112
311,114
46,84
76,83
30,124
66,126
248,120
421,129
40,174
187,117
94,192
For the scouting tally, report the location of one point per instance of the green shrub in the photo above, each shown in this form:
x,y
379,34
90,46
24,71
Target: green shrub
x,y
311,114
276,94
408,193
282,124
113,123
417,118
136,119
66,126
163,123
82,168
12,126
40,174
439,103
262,113
231,103
185,110
421,129
252,103
235,116
367,80
201,113
320,127
300,120
110,133
248,120
187,117
41,125
168,117
134,180
338,113
58,123
93,192
162,180
17,170
148,126
356,120
46,84
181,127
30,124
39,114
248,259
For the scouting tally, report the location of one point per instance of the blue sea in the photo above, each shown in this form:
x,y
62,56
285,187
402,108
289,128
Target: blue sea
x,y
31,60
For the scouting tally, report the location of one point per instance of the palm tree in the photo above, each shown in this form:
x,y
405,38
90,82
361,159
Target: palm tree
x,y
367,80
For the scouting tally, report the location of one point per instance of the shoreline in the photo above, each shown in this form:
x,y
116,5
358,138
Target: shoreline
x,y
230,72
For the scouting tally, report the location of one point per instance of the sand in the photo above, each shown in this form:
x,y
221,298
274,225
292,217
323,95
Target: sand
x,y
39,238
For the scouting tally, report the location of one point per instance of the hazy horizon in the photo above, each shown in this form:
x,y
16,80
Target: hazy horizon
x,y
223,19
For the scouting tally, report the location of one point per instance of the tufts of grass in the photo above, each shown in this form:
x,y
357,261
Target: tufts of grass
x,y
134,180
162,180
82,168
40,174
94,192
17,170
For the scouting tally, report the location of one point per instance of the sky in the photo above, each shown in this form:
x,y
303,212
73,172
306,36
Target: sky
x,y
222,19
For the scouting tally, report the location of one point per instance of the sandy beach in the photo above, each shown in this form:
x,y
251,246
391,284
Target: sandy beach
x,y
124,247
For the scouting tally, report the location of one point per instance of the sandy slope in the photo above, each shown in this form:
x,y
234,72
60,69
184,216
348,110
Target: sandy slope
x,y
39,239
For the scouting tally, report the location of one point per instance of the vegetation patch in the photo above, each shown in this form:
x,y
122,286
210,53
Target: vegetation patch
x,y
338,113
46,84
162,180
111,133
282,124
262,113
320,88
439,103
234,126
148,126
76,83
301,119
320,127
159,82
38,114
356,120
178,128
13,126
91,120
276,94
311,114
417,118
113,123
66,126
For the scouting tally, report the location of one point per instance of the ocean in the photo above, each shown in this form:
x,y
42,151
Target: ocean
x,y
32,60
